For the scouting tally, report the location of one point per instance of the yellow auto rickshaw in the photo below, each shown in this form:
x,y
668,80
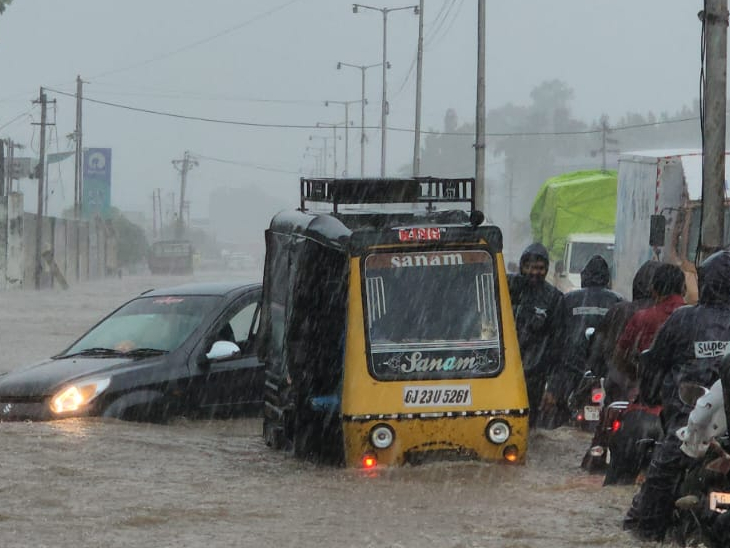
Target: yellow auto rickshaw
x,y
386,327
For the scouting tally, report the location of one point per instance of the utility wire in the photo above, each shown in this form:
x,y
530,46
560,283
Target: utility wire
x,y
198,42
410,130
243,164
18,117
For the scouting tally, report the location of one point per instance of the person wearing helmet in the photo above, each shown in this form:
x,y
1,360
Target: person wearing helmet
x,y
577,311
602,359
689,347
534,301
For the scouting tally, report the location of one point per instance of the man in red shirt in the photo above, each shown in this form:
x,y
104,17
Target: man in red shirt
x,y
667,287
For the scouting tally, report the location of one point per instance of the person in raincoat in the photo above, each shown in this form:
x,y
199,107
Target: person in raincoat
x,y
577,311
534,302
689,347
667,288
602,354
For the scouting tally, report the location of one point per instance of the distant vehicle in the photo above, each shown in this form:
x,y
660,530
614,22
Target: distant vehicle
x,y
658,213
171,257
187,350
573,216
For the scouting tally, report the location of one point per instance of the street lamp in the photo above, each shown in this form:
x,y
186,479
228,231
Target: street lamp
x,y
334,147
324,146
384,103
364,102
347,124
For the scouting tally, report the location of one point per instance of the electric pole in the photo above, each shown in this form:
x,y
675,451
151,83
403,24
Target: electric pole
x,y
479,146
419,78
605,142
41,174
183,166
715,22
78,158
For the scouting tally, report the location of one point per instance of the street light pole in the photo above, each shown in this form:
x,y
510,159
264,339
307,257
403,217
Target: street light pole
x,y
384,102
419,75
324,140
363,102
347,126
334,146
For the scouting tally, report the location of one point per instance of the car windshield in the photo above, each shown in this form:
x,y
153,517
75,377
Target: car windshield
x,y
581,252
432,314
146,324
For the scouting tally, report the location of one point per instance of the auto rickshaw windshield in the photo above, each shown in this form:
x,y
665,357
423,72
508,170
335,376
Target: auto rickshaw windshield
x,y
432,315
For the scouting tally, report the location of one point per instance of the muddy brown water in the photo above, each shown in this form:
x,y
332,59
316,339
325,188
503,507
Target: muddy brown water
x,y
107,483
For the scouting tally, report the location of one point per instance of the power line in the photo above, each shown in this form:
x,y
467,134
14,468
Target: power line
x,y
410,130
18,117
198,42
244,164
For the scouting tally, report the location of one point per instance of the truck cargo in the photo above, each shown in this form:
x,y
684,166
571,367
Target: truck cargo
x,y
573,216
658,213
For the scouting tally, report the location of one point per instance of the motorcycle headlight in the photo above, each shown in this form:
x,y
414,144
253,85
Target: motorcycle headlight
x,y
498,432
74,397
382,436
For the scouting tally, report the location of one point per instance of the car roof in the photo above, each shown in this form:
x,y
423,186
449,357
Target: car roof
x,y
203,288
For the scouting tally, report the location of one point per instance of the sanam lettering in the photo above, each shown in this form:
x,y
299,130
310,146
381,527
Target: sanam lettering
x,y
427,259
416,363
711,349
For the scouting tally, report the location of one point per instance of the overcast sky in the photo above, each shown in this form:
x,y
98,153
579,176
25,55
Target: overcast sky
x,y
273,62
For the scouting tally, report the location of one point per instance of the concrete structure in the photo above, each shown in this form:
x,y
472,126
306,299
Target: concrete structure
x,y
75,250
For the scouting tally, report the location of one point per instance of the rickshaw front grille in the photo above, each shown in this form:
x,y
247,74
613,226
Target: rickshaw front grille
x,y
437,415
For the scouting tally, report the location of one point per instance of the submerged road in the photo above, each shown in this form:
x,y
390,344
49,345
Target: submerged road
x,y
215,483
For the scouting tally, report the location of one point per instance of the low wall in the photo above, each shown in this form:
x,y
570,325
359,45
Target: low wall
x,y
72,251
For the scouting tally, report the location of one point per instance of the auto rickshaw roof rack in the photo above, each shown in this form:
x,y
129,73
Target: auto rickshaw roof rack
x,y
428,191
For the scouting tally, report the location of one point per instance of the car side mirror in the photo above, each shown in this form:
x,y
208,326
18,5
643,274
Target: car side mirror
x,y
560,268
657,226
223,350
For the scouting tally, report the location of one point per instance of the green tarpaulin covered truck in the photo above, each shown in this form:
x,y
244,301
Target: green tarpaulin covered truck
x,y
574,216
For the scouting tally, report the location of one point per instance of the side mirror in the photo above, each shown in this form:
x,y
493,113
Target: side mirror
x,y
560,267
657,226
223,350
690,392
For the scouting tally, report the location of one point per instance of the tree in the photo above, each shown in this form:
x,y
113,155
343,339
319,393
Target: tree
x,y
4,4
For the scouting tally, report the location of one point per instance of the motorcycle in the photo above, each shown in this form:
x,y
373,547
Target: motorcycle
x,y
703,498
585,401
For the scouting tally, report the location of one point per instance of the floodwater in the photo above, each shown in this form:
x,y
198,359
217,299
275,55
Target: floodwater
x,y
214,483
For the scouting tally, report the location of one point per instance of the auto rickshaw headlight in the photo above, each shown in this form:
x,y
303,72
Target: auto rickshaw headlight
x,y
382,436
498,431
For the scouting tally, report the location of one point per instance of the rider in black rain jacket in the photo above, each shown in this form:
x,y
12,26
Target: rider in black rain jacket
x,y
577,311
689,347
534,302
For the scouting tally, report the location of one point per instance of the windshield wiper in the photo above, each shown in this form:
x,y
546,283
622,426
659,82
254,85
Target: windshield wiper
x,y
137,352
96,351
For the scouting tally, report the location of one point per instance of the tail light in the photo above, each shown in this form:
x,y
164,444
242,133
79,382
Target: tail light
x,y
369,461
597,395
615,425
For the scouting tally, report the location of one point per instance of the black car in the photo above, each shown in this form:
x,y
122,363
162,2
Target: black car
x,y
182,351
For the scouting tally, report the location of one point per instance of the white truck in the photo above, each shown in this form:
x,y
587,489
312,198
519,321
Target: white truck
x,y
658,213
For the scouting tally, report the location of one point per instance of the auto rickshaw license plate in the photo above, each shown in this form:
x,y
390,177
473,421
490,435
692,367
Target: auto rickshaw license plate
x,y
719,502
443,395
591,412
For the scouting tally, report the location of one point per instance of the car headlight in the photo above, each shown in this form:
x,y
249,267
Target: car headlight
x,y
382,436
498,431
74,397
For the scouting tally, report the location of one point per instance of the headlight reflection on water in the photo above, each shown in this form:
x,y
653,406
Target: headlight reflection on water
x,y
74,397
